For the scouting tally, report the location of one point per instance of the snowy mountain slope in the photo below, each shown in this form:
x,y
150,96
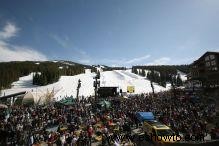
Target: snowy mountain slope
x,y
67,85
122,79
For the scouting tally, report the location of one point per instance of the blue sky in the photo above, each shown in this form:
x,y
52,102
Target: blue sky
x,y
110,32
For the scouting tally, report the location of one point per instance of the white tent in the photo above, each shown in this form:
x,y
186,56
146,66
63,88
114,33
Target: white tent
x,y
28,99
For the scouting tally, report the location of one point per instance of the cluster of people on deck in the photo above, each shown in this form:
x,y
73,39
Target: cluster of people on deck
x,y
81,123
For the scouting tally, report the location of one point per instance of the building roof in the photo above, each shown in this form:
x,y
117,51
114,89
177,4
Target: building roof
x,y
13,95
208,52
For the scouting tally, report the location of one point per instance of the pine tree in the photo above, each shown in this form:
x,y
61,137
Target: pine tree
x,y
135,71
152,76
148,75
179,81
162,80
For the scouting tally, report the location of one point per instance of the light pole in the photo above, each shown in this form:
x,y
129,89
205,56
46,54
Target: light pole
x,y
79,86
152,87
96,84
151,81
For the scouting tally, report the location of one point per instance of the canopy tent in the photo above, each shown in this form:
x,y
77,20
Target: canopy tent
x,y
28,99
67,101
145,116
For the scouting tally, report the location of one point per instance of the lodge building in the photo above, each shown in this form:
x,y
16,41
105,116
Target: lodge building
x,y
204,72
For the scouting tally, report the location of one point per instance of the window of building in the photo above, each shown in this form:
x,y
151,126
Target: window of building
x,y
207,64
206,58
213,62
194,66
212,56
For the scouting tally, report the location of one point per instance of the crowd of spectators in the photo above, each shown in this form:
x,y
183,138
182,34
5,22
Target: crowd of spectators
x,y
84,122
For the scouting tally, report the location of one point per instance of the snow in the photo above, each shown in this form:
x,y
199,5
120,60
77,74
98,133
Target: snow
x,y
183,75
87,71
67,85
168,85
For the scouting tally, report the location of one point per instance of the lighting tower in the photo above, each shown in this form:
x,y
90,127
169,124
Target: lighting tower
x,y
96,84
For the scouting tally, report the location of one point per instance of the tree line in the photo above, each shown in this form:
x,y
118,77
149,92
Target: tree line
x,y
162,74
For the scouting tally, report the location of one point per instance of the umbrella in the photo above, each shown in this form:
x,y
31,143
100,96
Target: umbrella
x,y
2,106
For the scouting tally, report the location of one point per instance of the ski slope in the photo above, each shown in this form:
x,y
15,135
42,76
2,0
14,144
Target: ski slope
x,y
124,78
67,85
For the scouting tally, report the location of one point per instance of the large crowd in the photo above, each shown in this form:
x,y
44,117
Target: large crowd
x,y
85,121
